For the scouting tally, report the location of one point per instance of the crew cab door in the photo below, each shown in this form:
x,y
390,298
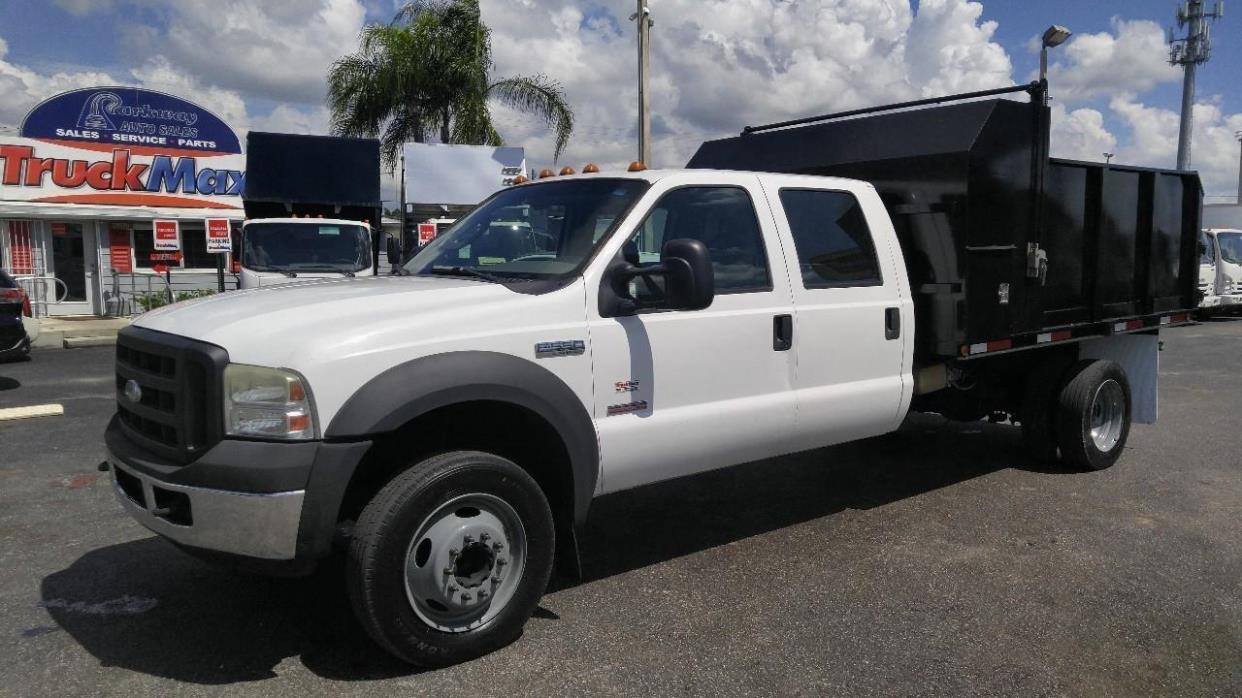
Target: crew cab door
x,y
682,391
854,321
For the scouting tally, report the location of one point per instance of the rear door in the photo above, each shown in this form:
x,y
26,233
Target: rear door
x,y
854,322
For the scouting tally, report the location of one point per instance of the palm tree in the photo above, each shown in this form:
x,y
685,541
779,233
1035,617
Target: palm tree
x,y
428,70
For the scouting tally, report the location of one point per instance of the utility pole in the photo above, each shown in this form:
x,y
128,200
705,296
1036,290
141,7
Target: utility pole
x,y
1190,52
1238,135
643,15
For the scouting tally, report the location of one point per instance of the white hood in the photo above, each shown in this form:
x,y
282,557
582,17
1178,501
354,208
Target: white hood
x,y
279,322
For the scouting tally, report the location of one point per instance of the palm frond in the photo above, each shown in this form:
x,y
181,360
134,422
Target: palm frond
x,y
540,96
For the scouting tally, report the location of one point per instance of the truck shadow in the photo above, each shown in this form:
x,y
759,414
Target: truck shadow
x,y
650,524
147,607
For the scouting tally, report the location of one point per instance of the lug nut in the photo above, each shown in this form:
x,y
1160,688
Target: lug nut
x,y
498,546
465,598
500,562
484,537
467,540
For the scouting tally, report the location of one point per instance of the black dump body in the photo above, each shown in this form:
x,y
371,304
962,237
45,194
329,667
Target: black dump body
x,y
971,191
288,174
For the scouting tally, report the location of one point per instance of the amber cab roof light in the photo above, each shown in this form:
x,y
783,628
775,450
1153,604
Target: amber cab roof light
x,y
637,166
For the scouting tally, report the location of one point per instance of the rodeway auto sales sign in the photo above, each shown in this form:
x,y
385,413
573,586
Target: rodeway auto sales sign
x,y
123,146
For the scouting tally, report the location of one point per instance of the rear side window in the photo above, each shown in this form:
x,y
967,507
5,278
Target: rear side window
x,y
831,236
7,281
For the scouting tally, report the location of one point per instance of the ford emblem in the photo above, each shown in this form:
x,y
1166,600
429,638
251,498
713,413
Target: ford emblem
x,y
133,391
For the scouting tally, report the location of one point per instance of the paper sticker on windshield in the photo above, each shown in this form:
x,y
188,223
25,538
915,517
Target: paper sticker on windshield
x,y
329,230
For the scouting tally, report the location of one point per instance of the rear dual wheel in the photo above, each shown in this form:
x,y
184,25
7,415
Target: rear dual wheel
x,y
1081,413
450,559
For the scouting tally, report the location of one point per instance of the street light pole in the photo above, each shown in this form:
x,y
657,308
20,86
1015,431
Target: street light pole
x,y
1053,36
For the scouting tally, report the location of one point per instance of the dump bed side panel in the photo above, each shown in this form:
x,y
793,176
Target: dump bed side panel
x,y
976,200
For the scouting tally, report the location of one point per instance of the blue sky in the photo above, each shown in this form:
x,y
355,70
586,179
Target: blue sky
x,y
718,64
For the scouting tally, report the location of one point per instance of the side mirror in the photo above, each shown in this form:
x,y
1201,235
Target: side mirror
x,y
393,250
689,281
1202,248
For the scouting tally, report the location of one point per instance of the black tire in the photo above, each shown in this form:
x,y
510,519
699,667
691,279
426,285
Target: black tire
x,y
1075,412
1037,414
375,575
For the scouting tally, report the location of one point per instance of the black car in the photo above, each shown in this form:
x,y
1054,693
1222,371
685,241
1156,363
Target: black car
x,y
14,343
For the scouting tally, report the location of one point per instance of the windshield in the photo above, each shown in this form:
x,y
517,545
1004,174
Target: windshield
x,y
542,231
1230,247
1207,249
308,246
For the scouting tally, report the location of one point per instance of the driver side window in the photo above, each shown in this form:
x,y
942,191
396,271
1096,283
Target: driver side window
x,y
724,219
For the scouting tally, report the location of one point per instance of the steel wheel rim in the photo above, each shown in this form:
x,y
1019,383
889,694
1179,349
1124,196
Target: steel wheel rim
x,y
1108,415
464,562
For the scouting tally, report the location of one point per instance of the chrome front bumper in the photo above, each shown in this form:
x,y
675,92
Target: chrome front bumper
x,y
254,525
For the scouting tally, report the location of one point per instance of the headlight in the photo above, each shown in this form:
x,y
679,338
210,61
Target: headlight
x,y
271,403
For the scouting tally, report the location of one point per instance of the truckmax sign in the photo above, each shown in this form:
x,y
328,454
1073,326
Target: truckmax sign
x,y
122,146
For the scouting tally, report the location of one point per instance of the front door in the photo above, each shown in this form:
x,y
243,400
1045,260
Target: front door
x,y
678,392
73,258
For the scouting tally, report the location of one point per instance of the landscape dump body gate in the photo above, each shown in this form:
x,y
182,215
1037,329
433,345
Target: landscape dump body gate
x,y
1000,240
317,176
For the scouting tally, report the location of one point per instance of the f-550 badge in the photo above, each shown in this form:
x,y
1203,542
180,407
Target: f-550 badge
x,y
549,350
626,386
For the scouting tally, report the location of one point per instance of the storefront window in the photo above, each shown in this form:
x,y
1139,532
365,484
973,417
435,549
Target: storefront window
x,y
193,247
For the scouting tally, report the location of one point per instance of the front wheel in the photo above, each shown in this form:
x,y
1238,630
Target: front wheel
x,y
449,560
1093,415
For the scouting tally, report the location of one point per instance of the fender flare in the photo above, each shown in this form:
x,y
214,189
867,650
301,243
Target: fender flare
x,y
417,387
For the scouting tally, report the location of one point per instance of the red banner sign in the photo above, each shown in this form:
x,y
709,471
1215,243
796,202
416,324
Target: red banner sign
x,y
426,233
166,235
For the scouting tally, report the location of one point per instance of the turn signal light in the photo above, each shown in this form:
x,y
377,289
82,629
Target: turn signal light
x,y
591,168
637,166
545,173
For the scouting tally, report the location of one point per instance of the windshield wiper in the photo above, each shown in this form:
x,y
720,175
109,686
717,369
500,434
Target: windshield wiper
x,y
466,271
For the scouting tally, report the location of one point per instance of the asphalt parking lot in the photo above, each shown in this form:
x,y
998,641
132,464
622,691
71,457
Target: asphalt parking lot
x,y
935,561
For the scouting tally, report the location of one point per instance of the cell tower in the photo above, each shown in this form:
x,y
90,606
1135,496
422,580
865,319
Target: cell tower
x,y
1190,52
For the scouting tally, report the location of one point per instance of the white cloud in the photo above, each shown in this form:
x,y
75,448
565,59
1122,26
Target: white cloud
x,y
277,50
1131,59
718,65
1214,151
1080,134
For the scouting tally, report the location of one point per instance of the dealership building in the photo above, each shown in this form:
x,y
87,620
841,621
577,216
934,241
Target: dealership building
x,y
84,182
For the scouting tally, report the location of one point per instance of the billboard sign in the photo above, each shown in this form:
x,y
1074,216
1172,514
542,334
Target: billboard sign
x,y
125,147
167,235
219,239
459,174
107,117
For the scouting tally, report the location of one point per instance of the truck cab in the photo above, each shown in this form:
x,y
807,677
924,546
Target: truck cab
x,y
277,251
1220,268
